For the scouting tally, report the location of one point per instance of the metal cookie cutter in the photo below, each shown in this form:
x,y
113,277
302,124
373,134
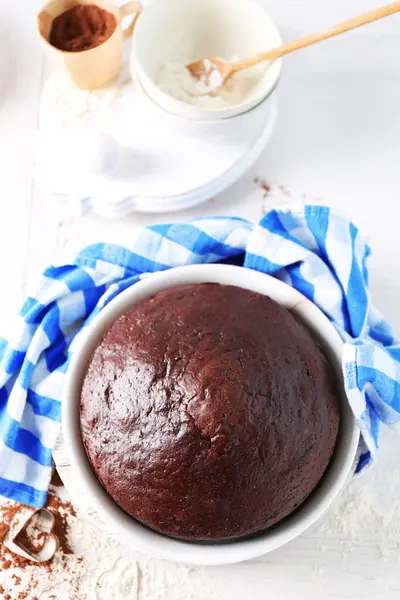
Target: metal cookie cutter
x,y
44,522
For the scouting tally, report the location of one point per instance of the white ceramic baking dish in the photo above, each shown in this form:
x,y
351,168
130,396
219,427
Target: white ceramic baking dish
x,y
139,538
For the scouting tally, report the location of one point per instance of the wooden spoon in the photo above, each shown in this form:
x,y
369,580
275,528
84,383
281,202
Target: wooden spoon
x,y
215,73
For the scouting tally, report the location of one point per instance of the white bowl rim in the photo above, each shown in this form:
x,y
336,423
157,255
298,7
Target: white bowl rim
x,y
125,528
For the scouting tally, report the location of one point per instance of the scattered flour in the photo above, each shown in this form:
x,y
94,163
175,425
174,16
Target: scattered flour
x,y
98,568
109,574
174,79
90,565
74,103
363,516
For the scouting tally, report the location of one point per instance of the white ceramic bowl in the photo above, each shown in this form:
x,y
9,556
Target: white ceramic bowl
x,y
178,30
130,532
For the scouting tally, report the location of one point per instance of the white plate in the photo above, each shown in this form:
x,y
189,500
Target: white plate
x,y
169,164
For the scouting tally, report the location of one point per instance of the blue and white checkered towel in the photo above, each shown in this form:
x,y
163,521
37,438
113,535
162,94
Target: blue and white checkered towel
x,y
311,248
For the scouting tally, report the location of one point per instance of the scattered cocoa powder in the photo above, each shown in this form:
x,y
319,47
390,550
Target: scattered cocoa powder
x,y
82,27
12,515
56,479
285,190
264,185
33,545
61,510
8,514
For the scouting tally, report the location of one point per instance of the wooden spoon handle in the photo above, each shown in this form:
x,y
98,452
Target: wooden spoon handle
x,y
314,38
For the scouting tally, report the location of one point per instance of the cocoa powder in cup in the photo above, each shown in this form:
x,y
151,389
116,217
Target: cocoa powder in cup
x,y
82,27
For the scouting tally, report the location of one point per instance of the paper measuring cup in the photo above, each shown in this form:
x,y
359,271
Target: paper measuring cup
x,y
95,67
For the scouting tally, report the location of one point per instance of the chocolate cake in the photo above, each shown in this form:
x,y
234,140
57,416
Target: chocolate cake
x,y
209,412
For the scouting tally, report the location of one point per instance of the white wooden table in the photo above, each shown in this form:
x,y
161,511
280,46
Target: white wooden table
x,y
337,137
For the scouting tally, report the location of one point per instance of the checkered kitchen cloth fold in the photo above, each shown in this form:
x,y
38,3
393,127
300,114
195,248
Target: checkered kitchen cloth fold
x,y
311,248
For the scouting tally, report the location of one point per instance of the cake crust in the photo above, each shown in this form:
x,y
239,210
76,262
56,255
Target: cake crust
x,y
209,412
